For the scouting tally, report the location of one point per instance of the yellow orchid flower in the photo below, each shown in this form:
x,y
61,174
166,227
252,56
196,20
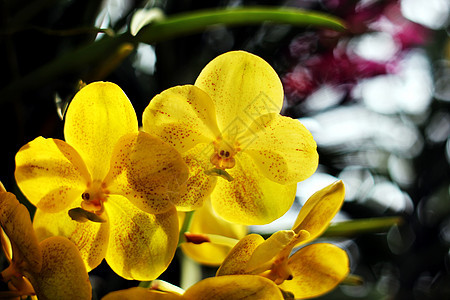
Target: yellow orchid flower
x,y
207,251
51,269
238,147
109,188
311,271
236,287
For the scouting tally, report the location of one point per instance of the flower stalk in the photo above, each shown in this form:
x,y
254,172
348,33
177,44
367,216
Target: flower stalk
x,y
186,226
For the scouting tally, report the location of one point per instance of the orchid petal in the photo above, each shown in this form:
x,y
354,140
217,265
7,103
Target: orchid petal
x,y
251,198
91,238
242,86
316,270
282,148
319,210
183,116
50,173
63,274
99,114
199,185
147,171
205,220
248,287
141,245
5,242
236,261
15,221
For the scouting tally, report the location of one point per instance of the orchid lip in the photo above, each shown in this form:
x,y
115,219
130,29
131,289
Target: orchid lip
x,y
224,152
94,197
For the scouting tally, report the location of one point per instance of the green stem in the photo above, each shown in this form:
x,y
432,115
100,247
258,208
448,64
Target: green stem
x,y
145,284
189,216
79,60
361,226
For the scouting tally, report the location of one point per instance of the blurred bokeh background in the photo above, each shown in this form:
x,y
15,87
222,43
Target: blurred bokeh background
x,y
376,98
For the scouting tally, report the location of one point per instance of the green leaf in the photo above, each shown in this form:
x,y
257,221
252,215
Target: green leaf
x,y
183,24
361,226
79,60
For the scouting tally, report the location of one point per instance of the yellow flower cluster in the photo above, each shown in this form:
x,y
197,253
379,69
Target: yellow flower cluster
x,y
114,192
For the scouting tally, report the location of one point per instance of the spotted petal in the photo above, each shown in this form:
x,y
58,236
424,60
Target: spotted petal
x,y
141,245
50,173
320,209
183,116
147,171
15,221
242,86
63,274
250,198
248,287
90,238
99,114
199,185
282,148
316,270
236,261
